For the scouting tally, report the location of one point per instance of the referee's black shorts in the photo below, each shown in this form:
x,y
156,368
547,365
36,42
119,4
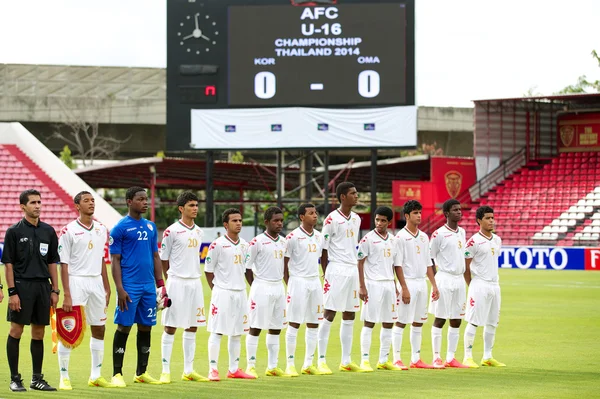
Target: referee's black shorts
x,y
35,302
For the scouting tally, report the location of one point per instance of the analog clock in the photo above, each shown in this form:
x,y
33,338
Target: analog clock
x,y
198,33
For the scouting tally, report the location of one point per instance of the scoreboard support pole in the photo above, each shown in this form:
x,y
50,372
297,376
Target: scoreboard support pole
x,y
326,181
210,207
308,166
279,178
373,186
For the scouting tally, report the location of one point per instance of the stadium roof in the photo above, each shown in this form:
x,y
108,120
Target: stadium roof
x,y
191,173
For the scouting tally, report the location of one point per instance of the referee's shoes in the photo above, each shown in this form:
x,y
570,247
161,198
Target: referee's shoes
x,y
38,383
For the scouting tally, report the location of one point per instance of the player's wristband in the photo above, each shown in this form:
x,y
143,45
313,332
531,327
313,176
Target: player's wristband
x,y
160,283
12,291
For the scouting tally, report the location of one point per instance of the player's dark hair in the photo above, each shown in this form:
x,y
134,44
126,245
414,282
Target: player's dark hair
x,y
385,211
411,205
132,191
24,197
186,197
302,209
272,211
449,204
342,189
481,211
77,198
230,211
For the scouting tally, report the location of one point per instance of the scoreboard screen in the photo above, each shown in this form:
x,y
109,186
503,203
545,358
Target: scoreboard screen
x,y
272,53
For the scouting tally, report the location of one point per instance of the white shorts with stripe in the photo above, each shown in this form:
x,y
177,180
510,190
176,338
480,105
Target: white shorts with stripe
x,y
305,300
266,305
483,303
228,314
89,292
187,303
381,304
416,310
453,297
340,288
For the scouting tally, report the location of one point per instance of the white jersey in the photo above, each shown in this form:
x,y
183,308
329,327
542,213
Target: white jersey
x,y
304,251
412,253
447,248
340,237
485,253
181,247
227,260
379,253
83,248
265,257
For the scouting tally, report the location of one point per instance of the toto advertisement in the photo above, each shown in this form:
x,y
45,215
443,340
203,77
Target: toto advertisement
x,y
550,258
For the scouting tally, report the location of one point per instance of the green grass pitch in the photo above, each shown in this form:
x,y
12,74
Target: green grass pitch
x,y
549,337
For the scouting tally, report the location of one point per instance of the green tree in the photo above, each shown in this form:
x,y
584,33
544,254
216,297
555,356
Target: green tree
x,y
65,156
584,85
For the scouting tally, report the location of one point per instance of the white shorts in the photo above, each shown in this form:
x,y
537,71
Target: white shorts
x,y
266,305
228,312
340,288
89,292
483,303
453,297
416,310
304,300
381,305
187,303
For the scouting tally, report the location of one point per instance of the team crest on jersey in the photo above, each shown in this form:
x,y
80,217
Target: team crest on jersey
x,y
43,249
110,240
150,227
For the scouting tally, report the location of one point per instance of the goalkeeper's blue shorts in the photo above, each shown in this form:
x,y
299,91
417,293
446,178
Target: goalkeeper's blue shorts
x,y
141,309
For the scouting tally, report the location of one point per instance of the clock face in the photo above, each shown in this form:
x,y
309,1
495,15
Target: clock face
x,y
198,33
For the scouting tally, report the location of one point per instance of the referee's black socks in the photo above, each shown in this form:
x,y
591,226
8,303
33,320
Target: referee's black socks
x,y
37,355
12,353
143,347
119,344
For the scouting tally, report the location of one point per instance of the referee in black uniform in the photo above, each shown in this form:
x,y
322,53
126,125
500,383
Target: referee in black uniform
x,y
30,257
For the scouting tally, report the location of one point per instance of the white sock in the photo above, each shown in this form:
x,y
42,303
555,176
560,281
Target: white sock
x,y
64,354
166,350
291,336
323,337
436,341
189,351
251,348
346,339
214,347
385,339
397,333
453,336
234,346
366,334
489,334
415,343
469,338
310,343
272,350
97,351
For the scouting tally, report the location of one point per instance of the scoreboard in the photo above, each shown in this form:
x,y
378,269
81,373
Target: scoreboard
x,y
272,53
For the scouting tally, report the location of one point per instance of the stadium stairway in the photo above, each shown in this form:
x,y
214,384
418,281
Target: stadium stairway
x,y
26,163
547,202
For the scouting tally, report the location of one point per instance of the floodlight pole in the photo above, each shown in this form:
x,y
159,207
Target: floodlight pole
x,y
326,183
373,186
209,220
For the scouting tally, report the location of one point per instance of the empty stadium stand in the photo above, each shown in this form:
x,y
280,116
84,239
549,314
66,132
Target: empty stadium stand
x,y
551,202
20,173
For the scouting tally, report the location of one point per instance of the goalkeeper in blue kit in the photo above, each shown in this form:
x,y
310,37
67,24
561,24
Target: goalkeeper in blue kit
x,y
136,268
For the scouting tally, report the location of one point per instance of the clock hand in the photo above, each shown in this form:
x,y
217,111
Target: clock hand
x,y
188,36
205,38
196,20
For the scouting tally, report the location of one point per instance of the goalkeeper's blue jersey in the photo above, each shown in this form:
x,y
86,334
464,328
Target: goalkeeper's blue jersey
x,y
136,241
